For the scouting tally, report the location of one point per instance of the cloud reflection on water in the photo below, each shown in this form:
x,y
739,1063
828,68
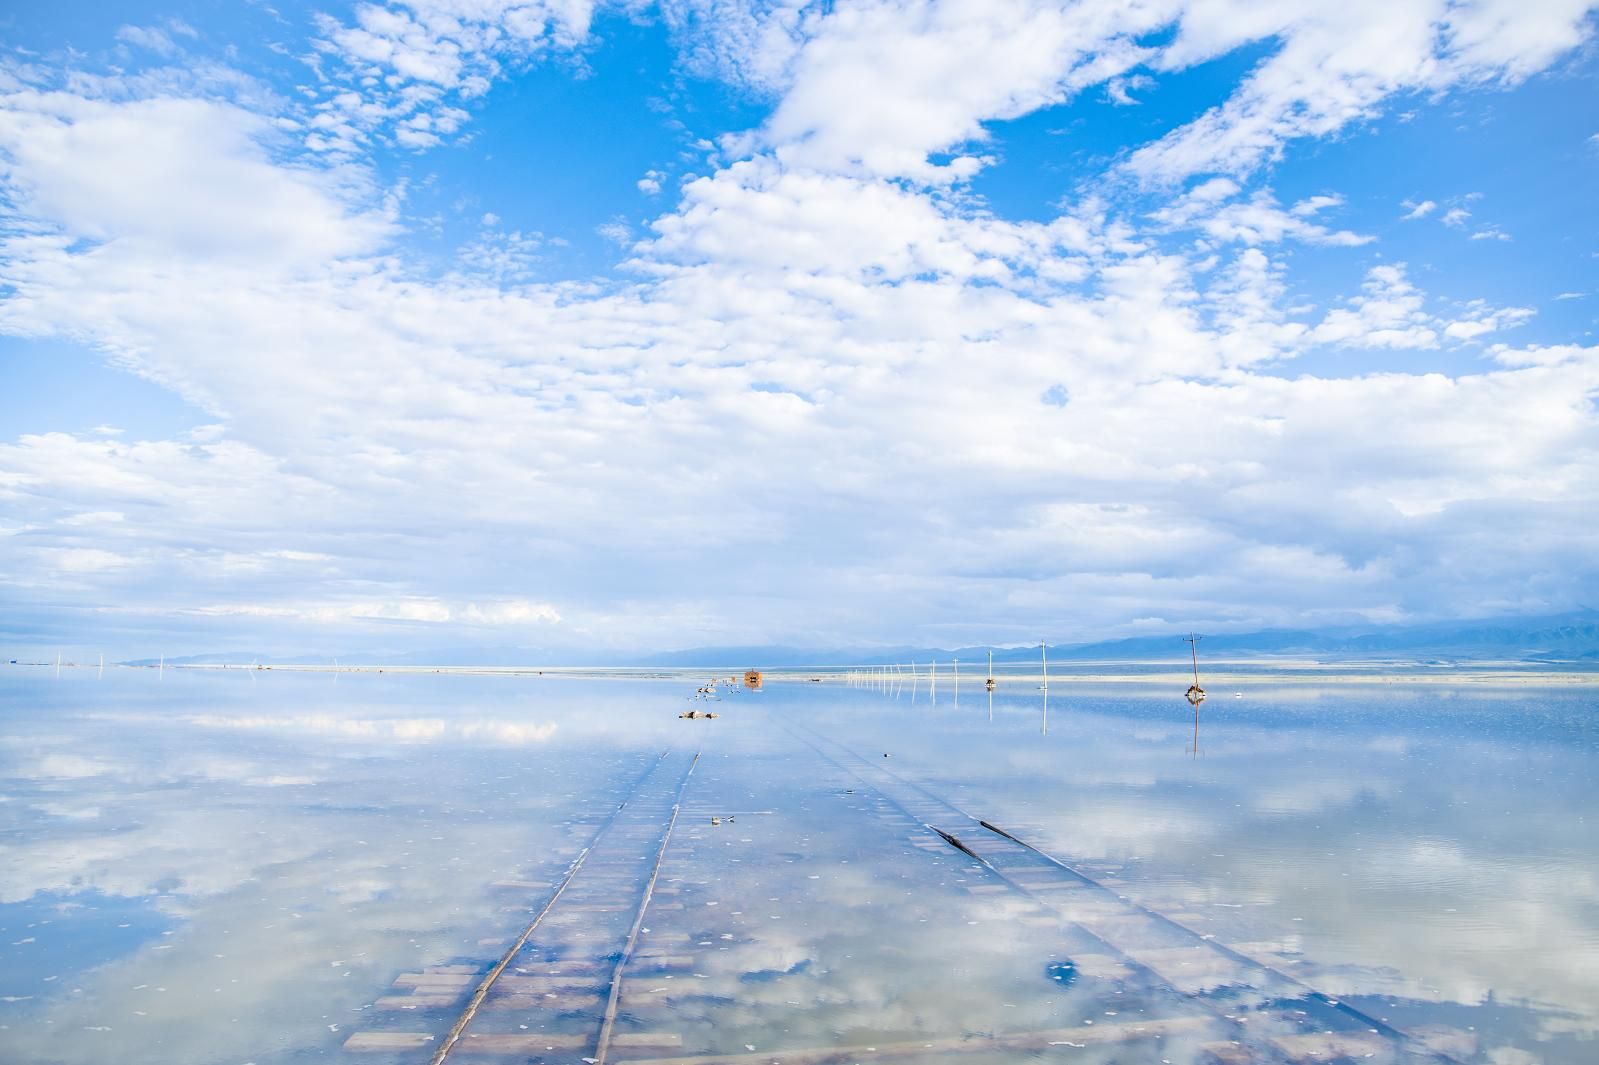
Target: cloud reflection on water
x,y
1422,843
1427,846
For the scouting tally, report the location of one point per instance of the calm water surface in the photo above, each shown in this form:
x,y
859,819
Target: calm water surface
x,y
273,867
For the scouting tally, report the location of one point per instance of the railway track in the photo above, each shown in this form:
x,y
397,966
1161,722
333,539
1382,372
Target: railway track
x,y
554,989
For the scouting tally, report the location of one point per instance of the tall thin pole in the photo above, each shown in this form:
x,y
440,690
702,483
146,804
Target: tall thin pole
x,y
1044,651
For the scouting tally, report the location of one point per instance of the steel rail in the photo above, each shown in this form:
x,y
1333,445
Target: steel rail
x,y
471,1008
603,1046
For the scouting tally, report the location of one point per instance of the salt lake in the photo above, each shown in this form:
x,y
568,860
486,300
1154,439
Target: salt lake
x,y
264,866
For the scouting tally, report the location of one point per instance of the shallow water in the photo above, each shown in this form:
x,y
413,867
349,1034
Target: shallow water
x,y
275,867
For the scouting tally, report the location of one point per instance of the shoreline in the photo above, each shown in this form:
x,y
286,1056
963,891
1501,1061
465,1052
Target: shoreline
x,y
1497,674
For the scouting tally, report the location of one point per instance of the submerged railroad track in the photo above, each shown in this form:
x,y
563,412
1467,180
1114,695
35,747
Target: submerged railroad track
x,y
555,988
587,958
1273,1016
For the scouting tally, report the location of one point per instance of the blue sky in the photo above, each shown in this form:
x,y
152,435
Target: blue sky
x,y
568,325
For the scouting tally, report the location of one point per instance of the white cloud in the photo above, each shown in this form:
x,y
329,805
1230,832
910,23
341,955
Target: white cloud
x,y
1211,208
617,231
1480,319
650,183
1337,63
1119,90
503,258
396,69
185,178
750,44
151,38
933,89
418,609
1455,216
1388,314
470,445
1419,210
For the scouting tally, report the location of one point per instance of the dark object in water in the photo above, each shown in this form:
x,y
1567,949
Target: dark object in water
x,y
697,715
954,841
1195,693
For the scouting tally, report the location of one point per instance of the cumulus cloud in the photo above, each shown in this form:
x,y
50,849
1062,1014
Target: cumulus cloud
x,y
1387,314
714,444
189,179
650,183
1211,208
1337,64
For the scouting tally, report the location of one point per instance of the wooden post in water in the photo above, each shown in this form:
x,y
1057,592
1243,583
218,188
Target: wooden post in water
x,y
1195,694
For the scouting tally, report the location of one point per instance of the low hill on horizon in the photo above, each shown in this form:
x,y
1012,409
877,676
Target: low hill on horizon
x,y
1565,638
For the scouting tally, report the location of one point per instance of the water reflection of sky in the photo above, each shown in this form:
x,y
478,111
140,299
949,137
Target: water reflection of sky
x,y
222,867
1415,843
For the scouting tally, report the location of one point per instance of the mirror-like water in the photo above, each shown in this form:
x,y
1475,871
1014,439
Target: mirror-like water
x,y
233,867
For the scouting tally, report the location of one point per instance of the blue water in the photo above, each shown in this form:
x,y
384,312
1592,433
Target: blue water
x,y
275,867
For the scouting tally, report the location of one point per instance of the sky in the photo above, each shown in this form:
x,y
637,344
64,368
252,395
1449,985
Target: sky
x,y
561,325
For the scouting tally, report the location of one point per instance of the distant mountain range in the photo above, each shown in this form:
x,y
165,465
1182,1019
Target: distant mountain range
x,y
1562,638
1572,638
